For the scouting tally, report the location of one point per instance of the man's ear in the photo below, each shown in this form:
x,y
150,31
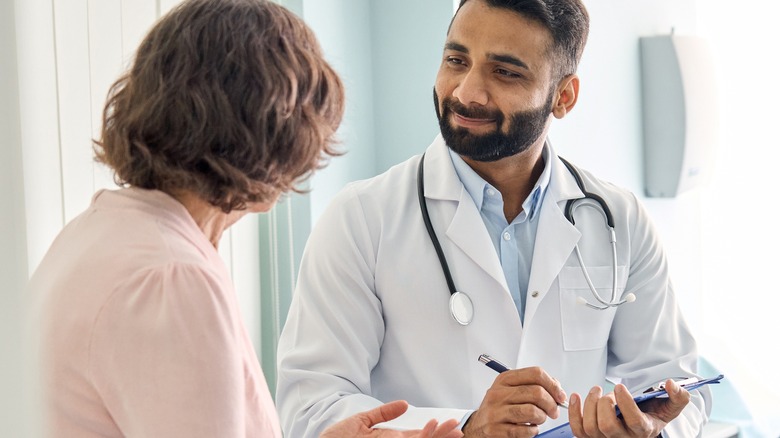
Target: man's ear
x,y
566,96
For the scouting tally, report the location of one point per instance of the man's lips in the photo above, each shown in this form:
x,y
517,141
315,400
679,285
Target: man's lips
x,y
468,122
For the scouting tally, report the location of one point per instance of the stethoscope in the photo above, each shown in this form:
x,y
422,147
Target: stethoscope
x,y
461,306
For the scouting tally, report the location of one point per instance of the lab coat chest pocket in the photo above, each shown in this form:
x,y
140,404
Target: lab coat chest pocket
x,y
585,328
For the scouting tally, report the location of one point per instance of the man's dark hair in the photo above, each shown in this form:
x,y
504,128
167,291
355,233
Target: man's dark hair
x,y
228,99
567,21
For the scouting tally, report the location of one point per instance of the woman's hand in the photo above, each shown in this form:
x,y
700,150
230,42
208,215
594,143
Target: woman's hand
x,y
359,425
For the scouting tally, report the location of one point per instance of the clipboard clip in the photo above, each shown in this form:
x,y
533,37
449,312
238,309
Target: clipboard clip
x,y
689,384
696,383
662,385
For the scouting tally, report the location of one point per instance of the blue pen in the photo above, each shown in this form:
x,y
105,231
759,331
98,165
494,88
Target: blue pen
x,y
500,368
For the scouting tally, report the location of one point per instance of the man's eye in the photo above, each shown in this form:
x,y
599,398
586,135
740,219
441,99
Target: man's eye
x,y
455,61
507,73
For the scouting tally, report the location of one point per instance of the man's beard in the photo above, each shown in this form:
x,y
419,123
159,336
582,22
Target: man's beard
x,y
525,128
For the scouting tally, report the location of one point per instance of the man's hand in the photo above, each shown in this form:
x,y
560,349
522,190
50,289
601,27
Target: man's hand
x,y
516,403
597,419
359,425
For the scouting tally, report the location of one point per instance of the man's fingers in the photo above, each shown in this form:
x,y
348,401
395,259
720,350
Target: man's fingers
x,y
575,415
628,407
678,399
634,419
597,418
527,386
521,398
533,376
609,423
589,412
523,414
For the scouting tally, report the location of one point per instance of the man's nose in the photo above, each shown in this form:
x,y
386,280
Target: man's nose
x,y
471,90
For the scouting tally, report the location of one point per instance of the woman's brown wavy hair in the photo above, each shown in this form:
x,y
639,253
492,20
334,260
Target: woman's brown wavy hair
x,y
228,99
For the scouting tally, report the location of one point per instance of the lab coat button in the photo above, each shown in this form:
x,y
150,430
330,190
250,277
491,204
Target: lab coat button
x,y
535,293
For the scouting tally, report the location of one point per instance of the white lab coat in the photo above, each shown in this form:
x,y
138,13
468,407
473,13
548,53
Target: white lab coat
x,y
370,320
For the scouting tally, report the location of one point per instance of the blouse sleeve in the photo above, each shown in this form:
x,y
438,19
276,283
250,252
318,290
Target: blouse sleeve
x,y
165,355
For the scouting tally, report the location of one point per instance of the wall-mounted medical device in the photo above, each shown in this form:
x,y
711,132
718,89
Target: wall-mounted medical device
x,y
679,113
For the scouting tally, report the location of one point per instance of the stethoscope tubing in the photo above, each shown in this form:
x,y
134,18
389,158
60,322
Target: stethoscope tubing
x,y
613,302
459,299
460,304
428,226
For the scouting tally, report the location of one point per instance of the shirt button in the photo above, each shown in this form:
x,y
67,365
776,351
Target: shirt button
x,y
507,236
491,192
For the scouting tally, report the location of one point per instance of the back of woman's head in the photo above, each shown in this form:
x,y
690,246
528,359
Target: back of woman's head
x,y
228,99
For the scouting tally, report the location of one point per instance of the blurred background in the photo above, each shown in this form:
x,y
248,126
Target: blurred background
x,y
58,58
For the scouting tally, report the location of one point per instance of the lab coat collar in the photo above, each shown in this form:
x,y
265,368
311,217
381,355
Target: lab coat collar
x,y
444,185
466,228
562,182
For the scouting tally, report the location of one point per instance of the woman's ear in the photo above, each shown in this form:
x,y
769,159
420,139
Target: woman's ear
x,y
566,96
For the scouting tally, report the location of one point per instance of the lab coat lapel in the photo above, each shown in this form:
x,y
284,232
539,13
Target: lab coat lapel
x,y
466,228
555,236
468,232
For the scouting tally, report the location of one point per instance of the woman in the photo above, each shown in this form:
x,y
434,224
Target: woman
x,y
228,105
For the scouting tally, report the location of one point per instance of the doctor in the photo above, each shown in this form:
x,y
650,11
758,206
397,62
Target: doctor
x,y
372,321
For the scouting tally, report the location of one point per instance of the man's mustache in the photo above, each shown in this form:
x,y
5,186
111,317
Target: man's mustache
x,y
471,112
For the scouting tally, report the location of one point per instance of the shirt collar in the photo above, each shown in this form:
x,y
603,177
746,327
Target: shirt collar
x,y
476,186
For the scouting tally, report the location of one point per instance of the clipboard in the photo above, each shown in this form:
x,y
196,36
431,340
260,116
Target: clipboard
x,y
564,430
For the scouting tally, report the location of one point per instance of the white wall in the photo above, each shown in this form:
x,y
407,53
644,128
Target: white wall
x,y
343,28
408,41
739,227
14,419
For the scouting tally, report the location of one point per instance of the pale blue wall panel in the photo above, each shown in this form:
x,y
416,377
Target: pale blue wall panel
x,y
344,30
407,40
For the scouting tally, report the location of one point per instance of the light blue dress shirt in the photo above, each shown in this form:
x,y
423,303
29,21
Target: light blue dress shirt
x,y
514,242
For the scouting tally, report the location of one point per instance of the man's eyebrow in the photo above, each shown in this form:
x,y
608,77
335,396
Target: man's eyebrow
x,y
508,59
456,47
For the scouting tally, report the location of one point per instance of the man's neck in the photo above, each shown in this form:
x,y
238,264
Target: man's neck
x,y
513,176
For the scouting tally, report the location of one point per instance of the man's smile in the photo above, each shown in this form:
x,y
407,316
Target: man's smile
x,y
468,122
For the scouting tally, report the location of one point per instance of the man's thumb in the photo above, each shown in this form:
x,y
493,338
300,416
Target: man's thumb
x,y
678,399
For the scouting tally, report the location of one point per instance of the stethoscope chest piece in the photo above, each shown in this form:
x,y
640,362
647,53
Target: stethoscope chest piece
x,y
461,308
